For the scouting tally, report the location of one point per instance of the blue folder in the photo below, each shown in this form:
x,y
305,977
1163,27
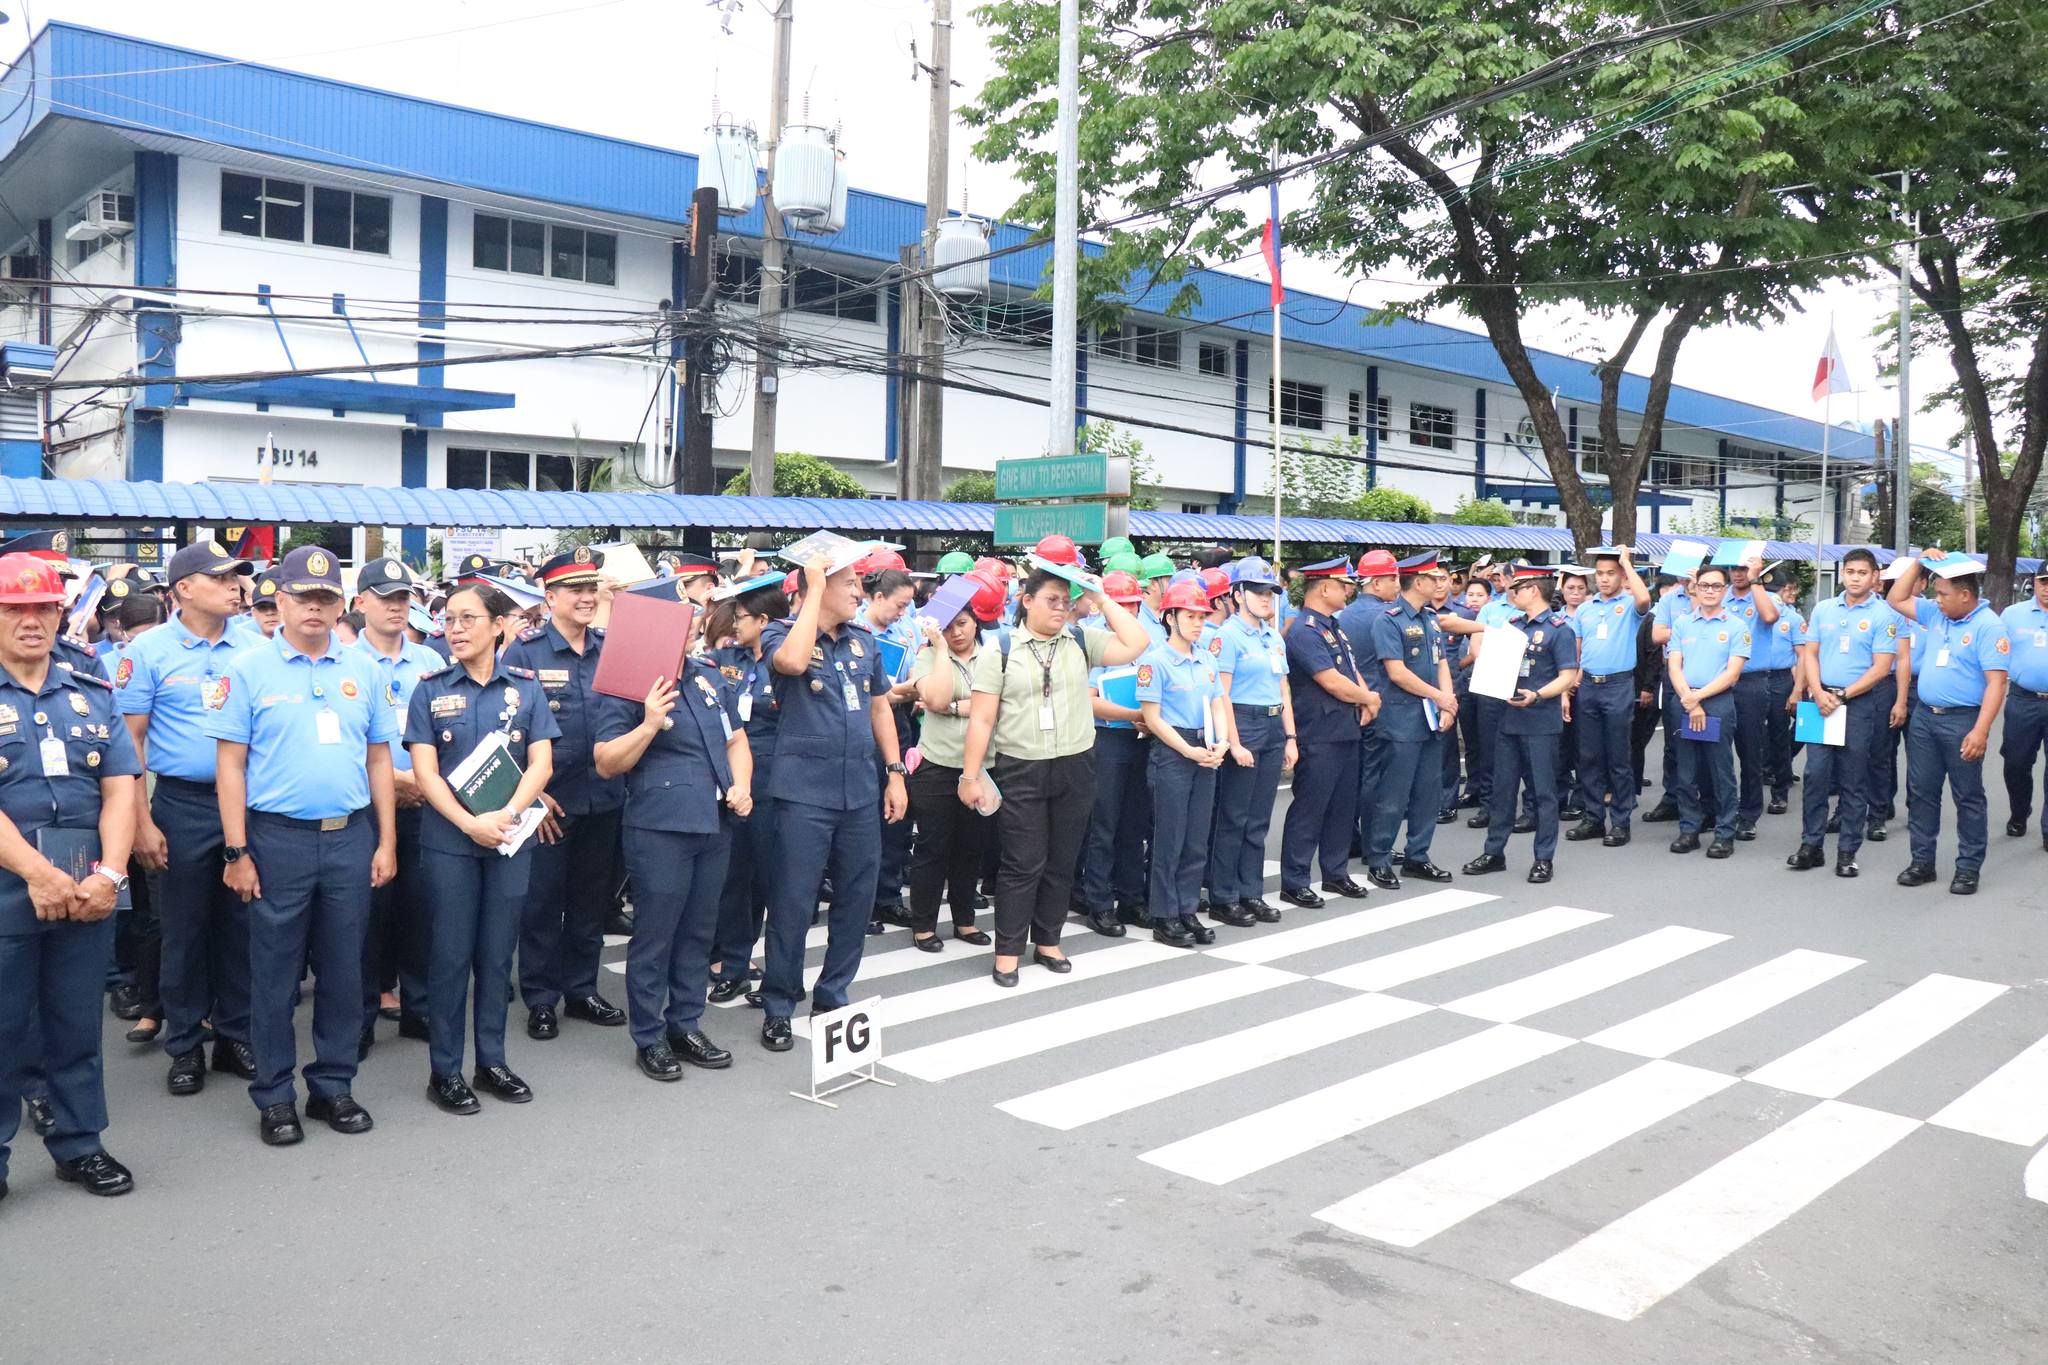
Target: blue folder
x,y
1710,735
1120,686
895,657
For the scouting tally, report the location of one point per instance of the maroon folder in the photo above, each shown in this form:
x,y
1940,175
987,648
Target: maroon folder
x,y
645,639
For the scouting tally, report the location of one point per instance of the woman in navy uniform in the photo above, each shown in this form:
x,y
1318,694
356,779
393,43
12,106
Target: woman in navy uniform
x,y
1181,699
683,752
1532,728
475,894
1251,659
750,871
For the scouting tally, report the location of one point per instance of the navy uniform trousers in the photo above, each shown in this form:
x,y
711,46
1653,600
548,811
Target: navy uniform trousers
x,y
1409,787
1519,758
1884,759
1183,804
398,950
1934,754
1706,772
1676,783
561,933
809,840
205,925
50,983
1604,715
1478,751
1843,769
677,881
2026,731
1112,868
314,910
749,886
1778,732
1244,808
1372,764
1321,817
1752,703
1488,712
890,877
1453,742
475,905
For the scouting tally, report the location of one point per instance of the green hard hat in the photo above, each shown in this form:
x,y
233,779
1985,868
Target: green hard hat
x,y
1155,566
1118,545
956,561
1126,562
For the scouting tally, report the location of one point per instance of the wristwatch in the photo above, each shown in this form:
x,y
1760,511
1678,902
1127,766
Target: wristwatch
x,y
233,853
119,879
898,769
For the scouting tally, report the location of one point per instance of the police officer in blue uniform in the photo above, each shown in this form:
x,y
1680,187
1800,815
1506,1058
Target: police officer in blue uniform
x,y
304,752
1379,584
1604,705
261,621
1329,703
1674,602
751,869
1416,707
67,796
1251,660
575,870
1533,725
1181,699
1753,604
1846,651
835,717
1113,877
474,893
1784,686
164,687
2026,703
1704,659
1486,726
1960,667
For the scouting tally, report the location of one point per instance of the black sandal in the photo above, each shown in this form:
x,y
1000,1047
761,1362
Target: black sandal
x,y
146,1031
927,943
972,935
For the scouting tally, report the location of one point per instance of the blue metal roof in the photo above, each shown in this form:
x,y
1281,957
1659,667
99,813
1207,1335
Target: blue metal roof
x,y
132,83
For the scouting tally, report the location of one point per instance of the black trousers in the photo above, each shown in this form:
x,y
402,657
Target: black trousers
x,y
946,859
1045,810
561,933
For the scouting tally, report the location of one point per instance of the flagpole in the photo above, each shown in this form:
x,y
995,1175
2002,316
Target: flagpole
x,y
1273,226
1827,428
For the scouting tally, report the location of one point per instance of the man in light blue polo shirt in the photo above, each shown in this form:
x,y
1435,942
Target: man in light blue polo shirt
x,y
1604,706
2026,703
1782,682
1845,654
1751,603
1705,657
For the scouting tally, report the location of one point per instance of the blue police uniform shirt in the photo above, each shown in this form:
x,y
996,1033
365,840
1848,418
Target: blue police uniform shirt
x,y
752,682
1706,643
1457,647
1849,638
1671,608
1315,645
1553,647
565,677
678,782
825,750
243,630
1255,660
1742,607
271,699
901,631
2026,626
75,709
1785,637
452,712
399,676
1952,657
170,675
1355,621
110,655
1182,684
1411,635
1607,628
1154,626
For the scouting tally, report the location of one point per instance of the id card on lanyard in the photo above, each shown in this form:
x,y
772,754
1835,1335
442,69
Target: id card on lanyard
x,y
846,688
1047,722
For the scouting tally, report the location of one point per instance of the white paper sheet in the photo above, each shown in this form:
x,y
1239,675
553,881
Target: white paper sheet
x,y
1498,672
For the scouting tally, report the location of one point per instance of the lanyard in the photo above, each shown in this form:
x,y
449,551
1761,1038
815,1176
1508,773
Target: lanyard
x,y
1044,661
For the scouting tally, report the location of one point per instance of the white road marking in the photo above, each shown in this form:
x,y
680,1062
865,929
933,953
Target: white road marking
x,y
1581,977
1460,950
898,1010
1344,928
1721,1006
1846,1056
2010,1105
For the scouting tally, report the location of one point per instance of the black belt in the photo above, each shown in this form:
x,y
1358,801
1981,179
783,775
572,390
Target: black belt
x,y
327,825
1610,677
1255,710
184,784
1971,709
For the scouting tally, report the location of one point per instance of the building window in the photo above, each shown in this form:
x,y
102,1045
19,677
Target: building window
x,y
522,246
1354,412
1213,358
1589,455
739,279
1198,508
834,296
517,471
257,206
1432,427
1158,347
1301,405
1380,412
1022,324
1675,471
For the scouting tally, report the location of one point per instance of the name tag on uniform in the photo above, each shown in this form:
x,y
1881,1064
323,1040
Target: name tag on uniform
x,y
1045,718
1279,662
746,707
1844,649
725,724
327,726
56,758
1941,659
2041,639
1600,631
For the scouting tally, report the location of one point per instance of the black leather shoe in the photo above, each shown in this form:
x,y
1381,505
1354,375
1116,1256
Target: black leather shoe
x,y
1260,911
619,923
541,1023
1385,878
234,1058
927,943
876,928
1234,915
723,991
1845,865
696,1048
1615,838
595,1009
1303,897
1173,933
1525,824
977,901
1686,843
1485,863
1591,829
1447,816
126,1003
41,1117
2014,827
1663,813
1427,871
1806,857
1834,824
1058,966
187,1075
1106,924
1777,806
279,1125
3,1189
1745,832
1917,874
775,1034
1477,821
1002,978
96,1173
341,1113
1344,886
1572,810
412,1026
1198,931
1964,883
1874,832
1539,871
1139,915
501,1082
145,1031
973,936
657,1062
1721,848
452,1095
366,1041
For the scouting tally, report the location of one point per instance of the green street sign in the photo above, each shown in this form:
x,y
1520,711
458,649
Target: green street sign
x,y
1051,477
1085,523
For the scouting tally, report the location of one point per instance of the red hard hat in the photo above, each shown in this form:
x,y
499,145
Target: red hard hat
x,y
1121,587
1215,582
877,560
1058,549
1186,597
1376,564
999,569
988,599
26,580
792,583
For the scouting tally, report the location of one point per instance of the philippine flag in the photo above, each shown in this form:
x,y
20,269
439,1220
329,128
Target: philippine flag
x,y
1269,242
1829,376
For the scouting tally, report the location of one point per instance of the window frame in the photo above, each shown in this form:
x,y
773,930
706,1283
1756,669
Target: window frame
x,y
549,241
307,210
1292,393
583,469
1432,426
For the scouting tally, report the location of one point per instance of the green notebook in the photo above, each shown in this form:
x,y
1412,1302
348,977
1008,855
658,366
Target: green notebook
x,y
489,777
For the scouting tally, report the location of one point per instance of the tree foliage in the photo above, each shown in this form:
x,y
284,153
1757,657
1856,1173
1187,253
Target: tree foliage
x,y
798,475
1482,512
1391,504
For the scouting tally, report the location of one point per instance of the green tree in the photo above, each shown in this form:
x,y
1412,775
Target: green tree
x,y
1391,504
1482,512
1107,438
976,486
798,475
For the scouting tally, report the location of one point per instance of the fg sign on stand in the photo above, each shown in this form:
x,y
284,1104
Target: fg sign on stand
x,y
846,1042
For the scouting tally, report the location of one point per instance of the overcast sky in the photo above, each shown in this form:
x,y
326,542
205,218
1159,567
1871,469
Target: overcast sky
x,y
652,70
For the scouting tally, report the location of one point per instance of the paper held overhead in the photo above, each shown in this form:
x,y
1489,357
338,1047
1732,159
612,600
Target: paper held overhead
x,y
624,564
1684,558
1733,553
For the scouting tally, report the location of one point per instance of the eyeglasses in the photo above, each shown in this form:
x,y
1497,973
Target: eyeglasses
x,y
468,621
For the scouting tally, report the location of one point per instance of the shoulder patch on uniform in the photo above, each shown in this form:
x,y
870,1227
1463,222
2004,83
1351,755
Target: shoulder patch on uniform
x,y
532,633
597,631
516,671
93,678
1144,675
1393,611
123,671
2004,645
1216,644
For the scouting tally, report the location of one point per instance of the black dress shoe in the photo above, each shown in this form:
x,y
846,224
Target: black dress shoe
x,y
234,1058
1260,911
503,1083
2014,827
341,1113
1745,832
696,1048
1002,978
1834,824
1663,813
279,1125
723,991
1917,874
972,935
1806,857
1591,829
619,924
1058,966
1777,806
1964,883
1686,843
1344,886
1385,878
1138,914
1173,933
1874,832
1485,863
1571,810
96,1173
1845,865
1106,924
595,1009
1539,871
775,1034
1477,821
541,1023
1721,848
1234,915
1198,931
187,1075
1615,838
412,1026
41,1117
876,928
1447,816
452,1095
1428,871
145,1031
1525,824
1303,897
977,901
657,1062
126,1003
927,943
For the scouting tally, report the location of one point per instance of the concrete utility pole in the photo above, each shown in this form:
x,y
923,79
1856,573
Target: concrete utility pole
x,y
923,473
1902,445
1066,248
693,473
774,284
911,299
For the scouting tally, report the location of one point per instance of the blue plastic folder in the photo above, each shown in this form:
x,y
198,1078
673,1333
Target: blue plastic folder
x,y
1119,686
895,657
1683,558
950,600
1710,735
1809,726
1733,553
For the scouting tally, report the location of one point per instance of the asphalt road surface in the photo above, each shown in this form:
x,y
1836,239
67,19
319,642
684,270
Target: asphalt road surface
x,y
1660,1110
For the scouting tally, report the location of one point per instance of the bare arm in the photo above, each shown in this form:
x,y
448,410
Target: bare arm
x,y
1131,639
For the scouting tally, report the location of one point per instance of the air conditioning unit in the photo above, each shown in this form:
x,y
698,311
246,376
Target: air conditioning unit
x,y
108,213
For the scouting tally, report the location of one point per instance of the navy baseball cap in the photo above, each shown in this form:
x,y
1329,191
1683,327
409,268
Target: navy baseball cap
x,y
309,569
208,557
385,577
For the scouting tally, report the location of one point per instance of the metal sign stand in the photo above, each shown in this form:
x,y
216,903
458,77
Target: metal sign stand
x,y
817,1096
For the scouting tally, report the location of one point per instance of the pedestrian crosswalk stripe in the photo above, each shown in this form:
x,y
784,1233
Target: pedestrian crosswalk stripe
x,y
2010,1105
1628,1266
1236,1149
1026,1037
1461,950
894,1011
1323,933
1164,1075
1422,1201
1721,1006
1581,977
1873,1040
